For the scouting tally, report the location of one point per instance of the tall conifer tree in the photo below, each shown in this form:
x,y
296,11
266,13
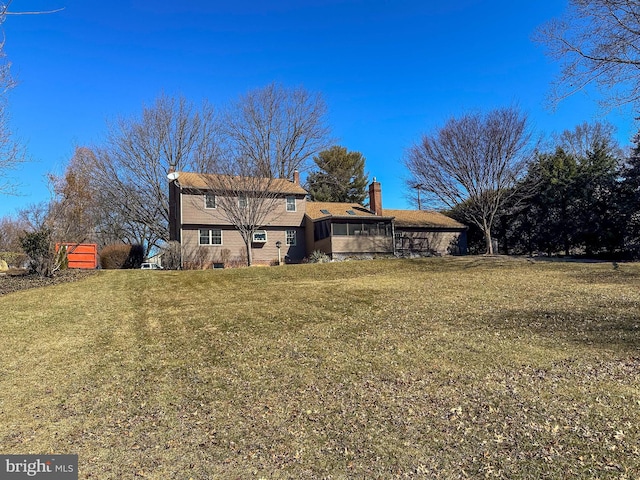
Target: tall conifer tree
x,y
340,178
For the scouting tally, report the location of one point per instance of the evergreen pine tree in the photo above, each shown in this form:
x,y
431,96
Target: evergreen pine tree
x,y
340,178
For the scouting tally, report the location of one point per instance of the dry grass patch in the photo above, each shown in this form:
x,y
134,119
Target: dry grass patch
x,y
442,368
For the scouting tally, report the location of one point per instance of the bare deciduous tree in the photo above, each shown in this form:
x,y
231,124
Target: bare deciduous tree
x,y
475,160
12,153
247,201
597,43
581,140
38,240
73,206
128,176
10,230
277,129
65,218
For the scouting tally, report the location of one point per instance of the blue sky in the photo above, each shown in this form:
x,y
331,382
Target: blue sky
x,y
389,71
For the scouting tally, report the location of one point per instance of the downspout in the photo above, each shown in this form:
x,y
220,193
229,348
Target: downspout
x,y
393,235
181,246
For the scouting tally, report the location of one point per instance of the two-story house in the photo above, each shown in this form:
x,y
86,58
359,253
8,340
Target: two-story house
x,y
208,215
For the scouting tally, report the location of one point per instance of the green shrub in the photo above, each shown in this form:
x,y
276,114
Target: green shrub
x,y
61,258
119,256
37,247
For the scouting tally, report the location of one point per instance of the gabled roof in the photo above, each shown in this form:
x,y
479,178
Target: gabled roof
x,y
210,181
318,210
422,218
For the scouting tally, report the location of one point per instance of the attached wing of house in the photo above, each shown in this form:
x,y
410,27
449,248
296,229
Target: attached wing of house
x,y
343,230
427,232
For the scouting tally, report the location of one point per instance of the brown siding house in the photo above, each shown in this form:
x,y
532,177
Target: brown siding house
x,y
421,232
198,219
343,230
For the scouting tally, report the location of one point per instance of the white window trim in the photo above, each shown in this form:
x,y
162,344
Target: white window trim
x,y
295,206
295,238
215,201
210,244
253,237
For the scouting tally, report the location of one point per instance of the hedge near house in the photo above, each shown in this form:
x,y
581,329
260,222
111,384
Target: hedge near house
x,y
120,256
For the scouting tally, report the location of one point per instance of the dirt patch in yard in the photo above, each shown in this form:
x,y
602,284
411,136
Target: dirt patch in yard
x,y
16,280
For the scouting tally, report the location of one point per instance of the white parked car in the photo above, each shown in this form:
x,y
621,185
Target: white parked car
x,y
150,266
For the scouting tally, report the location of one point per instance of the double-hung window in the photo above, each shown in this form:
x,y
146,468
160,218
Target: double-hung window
x,y
212,236
242,201
209,200
291,238
291,204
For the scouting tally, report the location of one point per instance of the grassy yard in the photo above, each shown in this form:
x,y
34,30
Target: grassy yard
x,y
435,368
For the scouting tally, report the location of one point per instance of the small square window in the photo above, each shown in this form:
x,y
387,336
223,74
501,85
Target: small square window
x,y
291,238
291,204
209,200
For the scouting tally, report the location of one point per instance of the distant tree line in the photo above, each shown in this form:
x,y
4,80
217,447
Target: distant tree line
x,y
580,197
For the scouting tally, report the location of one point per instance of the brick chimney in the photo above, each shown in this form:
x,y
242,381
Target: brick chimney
x,y
375,197
296,177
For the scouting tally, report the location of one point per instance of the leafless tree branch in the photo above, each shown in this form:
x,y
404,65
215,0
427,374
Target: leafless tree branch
x,y
597,42
127,176
247,201
475,160
277,129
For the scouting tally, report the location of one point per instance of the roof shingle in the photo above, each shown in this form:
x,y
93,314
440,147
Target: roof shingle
x,y
317,210
210,181
422,218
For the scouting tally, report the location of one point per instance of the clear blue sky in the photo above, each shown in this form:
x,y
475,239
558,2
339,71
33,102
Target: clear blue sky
x,y
389,70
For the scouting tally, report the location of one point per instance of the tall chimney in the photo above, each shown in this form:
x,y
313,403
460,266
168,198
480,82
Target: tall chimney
x,y
375,197
296,177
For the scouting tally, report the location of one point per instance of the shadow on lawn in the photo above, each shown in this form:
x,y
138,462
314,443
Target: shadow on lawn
x,y
614,329
618,275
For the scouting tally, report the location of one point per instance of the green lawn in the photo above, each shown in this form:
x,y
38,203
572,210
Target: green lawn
x,y
435,368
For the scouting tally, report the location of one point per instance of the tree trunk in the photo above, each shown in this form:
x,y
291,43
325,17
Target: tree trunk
x,y
249,253
487,238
